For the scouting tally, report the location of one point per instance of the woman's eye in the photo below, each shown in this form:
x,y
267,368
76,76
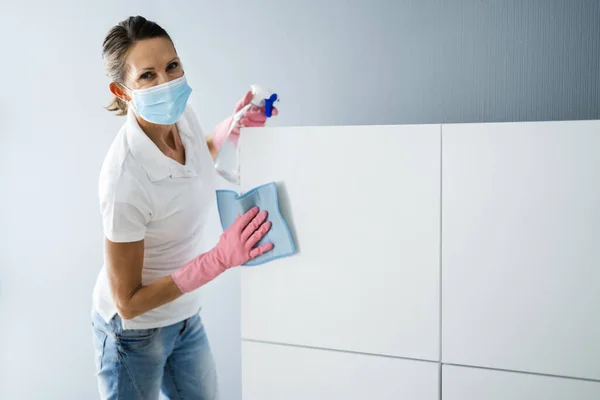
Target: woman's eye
x,y
173,65
146,75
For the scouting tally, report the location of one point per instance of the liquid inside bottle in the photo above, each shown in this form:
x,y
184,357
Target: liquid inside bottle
x,y
227,162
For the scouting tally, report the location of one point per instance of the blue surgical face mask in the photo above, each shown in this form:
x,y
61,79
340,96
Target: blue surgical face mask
x,y
162,104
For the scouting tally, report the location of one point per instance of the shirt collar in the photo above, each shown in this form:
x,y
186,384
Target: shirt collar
x,y
157,165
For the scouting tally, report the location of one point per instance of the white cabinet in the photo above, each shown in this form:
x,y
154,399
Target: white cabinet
x,y
491,231
273,372
364,203
460,383
521,248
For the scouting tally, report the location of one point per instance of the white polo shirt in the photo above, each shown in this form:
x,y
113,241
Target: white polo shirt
x,y
147,195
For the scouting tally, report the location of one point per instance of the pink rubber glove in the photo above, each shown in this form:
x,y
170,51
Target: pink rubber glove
x,y
254,117
235,247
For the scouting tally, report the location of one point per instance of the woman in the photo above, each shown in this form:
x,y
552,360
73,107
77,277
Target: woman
x,y
156,186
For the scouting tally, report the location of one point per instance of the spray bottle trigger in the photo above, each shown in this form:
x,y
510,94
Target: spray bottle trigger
x,y
269,105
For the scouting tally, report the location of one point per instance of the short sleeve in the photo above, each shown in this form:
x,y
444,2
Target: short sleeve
x,y
123,222
126,211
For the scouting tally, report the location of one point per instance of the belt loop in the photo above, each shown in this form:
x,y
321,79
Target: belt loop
x,y
183,328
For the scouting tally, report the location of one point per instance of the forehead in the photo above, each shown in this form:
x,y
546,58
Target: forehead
x,y
150,53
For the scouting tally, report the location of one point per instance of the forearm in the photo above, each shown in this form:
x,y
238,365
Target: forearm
x,y
187,278
235,247
148,297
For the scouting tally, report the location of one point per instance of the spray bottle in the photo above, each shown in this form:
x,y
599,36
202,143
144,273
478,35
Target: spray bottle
x,y
227,163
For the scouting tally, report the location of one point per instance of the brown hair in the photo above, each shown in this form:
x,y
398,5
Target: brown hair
x,y
116,46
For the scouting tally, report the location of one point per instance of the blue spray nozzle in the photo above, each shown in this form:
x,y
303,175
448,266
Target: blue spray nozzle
x,y
269,105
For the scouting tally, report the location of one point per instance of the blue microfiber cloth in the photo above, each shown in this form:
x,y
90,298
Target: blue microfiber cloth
x,y
265,197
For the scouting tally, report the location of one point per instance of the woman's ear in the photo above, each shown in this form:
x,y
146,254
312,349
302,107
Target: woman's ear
x,y
118,91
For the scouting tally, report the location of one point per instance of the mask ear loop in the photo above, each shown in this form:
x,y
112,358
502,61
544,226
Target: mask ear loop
x,y
130,92
130,103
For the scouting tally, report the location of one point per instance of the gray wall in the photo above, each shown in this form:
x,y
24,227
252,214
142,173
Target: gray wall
x,y
401,61
333,63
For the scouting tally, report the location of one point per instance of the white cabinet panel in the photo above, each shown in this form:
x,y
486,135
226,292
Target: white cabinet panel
x,y
365,206
274,372
479,384
521,247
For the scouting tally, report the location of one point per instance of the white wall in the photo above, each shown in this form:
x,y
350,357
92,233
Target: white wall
x,y
54,135
465,245
520,254
367,275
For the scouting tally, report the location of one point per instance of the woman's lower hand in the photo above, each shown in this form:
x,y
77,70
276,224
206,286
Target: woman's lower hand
x,y
237,244
236,247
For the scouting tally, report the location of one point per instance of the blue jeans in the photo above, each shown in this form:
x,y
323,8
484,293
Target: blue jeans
x,y
141,363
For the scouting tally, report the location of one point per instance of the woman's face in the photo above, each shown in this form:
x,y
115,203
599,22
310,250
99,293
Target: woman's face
x,y
152,62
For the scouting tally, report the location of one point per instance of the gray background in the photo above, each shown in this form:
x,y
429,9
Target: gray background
x,y
332,62
388,62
